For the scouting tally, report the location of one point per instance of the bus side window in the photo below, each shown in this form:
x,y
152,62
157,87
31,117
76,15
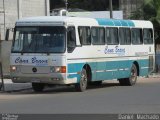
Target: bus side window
x,y
124,36
148,36
102,36
95,33
84,35
128,36
71,39
112,36
136,35
98,35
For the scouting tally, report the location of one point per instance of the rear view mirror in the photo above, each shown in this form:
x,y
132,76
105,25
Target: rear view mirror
x,y
8,30
7,35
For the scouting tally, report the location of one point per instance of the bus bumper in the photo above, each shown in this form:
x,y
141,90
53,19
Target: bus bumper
x,y
56,78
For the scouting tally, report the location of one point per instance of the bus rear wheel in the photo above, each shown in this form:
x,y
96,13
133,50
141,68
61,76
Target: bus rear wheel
x,y
132,79
38,87
0,86
82,85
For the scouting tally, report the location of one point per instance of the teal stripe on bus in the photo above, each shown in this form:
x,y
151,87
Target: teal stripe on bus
x,y
108,70
112,22
117,23
105,22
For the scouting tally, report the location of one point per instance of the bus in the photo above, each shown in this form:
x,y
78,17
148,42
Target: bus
x,y
58,50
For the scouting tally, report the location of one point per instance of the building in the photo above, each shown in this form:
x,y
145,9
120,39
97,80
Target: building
x,y
129,6
11,10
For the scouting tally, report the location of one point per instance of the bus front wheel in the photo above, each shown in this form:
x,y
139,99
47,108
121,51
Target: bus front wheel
x,y
82,85
132,79
38,87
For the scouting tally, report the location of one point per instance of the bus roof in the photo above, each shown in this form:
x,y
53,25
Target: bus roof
x,y
62,20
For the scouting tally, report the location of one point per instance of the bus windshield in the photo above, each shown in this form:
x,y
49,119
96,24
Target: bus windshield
x,y
42,39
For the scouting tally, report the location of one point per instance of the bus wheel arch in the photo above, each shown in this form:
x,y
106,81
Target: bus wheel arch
x,y
38,87
89,72
132,79
84,79
137,66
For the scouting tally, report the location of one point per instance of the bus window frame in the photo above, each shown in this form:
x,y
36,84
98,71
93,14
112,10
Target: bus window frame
x,y
141,37
125,37
152,36
99,27
70,51
106,42
80,39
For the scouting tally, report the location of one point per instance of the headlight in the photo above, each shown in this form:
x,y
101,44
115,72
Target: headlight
x,y
13,68
58,69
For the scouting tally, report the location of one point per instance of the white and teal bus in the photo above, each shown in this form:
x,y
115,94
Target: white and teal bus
x,y
78,51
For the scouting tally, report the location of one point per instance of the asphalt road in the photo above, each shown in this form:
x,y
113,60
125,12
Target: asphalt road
x,y
144,97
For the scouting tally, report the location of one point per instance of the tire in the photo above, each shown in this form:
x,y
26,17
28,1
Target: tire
x,y
0,86
96,83
132,79
82,85
38,87
122,82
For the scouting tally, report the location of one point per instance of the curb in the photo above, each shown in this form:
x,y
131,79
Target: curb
x,y
9,86
155,75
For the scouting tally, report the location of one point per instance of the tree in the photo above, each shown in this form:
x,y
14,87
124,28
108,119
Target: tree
x,y
150,10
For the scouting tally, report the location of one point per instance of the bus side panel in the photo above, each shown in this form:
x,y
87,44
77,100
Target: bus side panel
x,y
101,71
74,70
143,67
113,69
108,70
123,69
93,70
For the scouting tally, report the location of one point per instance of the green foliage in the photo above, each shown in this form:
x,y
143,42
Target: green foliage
x,y
150,11
138,14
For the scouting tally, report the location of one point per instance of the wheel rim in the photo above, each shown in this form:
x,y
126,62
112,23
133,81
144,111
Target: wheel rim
x,y
83,80
133,74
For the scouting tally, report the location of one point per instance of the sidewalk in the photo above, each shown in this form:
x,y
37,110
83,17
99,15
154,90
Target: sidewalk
x,y
155,75
9,86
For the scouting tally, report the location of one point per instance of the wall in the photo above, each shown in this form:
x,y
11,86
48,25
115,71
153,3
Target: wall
x,y
10,15
5,49
16,9
97,14
129,6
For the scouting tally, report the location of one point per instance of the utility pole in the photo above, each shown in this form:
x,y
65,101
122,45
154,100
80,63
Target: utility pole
x,y
66,3
4,18
111,9
19,8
